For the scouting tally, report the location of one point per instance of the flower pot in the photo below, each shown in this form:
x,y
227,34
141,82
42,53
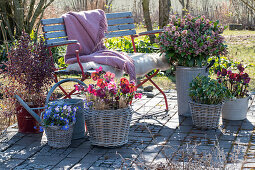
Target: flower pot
x,y
235,109
108,128
79,126
205,116
26,122
57,137
184,76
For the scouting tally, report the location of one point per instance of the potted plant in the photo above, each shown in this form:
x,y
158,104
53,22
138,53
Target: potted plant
x,y
188,42
28,73
237,83
108,112
58,121
207,96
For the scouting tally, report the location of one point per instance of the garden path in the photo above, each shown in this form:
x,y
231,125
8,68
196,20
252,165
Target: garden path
x,y
154,135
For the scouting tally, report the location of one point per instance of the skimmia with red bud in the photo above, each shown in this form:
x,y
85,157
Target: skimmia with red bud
x,y
190,41
237,83
106,94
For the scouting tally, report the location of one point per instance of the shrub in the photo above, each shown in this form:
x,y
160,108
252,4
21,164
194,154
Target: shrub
x,y
205,90
190,41
236,83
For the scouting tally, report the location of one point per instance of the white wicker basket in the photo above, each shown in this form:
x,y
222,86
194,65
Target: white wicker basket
x,y
108,128
57,137
205,116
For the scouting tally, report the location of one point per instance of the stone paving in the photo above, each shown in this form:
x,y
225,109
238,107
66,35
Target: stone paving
x,y
155,136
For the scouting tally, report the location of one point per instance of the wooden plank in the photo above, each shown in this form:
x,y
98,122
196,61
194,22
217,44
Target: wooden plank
x,y
120,33
65,42
120,21
53,28
55,40
121,27
52,21
118,15
55,34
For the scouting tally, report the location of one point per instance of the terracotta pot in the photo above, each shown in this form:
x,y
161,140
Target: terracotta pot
x,y
26,122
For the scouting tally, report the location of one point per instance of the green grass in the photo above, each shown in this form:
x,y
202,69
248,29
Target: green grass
x,y
238,32
242,49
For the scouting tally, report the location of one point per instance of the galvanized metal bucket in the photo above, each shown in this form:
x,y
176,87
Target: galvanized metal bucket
x,y
79,127
184,76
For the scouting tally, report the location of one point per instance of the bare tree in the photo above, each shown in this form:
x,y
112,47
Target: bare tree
x,y
185,6
18,15
146,14
164,9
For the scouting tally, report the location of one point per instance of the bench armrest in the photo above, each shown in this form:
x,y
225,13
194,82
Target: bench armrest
x,y
150,32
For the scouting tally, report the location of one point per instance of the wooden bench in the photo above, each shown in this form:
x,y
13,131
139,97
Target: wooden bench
x,y
119,24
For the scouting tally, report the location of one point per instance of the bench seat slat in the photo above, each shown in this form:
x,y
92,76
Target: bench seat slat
x,y
52,21
120,21
118,15
53,28
120,33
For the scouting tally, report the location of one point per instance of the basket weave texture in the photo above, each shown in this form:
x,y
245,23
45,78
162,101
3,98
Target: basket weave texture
x,y
57,137
205,116
108,128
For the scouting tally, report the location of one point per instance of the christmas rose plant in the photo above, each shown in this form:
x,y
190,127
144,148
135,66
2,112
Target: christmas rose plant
x,y
106,94
237,83
190,41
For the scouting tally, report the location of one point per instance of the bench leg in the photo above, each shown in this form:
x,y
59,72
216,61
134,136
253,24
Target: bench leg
x,y
148,78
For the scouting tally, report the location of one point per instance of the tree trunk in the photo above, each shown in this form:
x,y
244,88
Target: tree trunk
x,y
164,9
185,7
146,14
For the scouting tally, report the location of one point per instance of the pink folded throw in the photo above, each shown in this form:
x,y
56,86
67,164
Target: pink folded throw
x,y
88,28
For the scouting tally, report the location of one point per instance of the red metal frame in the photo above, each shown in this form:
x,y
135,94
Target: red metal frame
x,y
84,76
148,78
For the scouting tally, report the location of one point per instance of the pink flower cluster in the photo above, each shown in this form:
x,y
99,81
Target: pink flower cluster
x,y
237,83
190,41
108,91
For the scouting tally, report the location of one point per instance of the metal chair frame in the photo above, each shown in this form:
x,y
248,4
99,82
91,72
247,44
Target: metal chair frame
x,y
119,24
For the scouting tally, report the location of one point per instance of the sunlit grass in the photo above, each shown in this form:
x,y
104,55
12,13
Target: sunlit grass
x,y
238,32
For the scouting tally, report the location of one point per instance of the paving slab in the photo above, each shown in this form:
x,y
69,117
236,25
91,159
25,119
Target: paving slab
x,y
156,136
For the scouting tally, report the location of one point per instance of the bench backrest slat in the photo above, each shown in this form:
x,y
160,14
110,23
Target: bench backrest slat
x,y
52,21
57,34
54,28
119,24
118,15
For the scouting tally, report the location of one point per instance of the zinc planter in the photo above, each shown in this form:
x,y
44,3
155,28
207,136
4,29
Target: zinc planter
x,y
184,76
235,109
108,128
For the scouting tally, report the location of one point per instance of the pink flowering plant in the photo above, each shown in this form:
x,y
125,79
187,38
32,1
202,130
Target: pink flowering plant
x,y
237,83
106,94
190,41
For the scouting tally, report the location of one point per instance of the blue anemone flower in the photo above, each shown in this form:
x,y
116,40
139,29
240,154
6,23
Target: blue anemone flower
x,y
66,127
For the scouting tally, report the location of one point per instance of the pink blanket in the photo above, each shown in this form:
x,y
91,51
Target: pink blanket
x,y
88,28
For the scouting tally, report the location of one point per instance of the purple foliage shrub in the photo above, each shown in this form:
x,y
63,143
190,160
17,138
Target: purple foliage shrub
x,y
28,73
